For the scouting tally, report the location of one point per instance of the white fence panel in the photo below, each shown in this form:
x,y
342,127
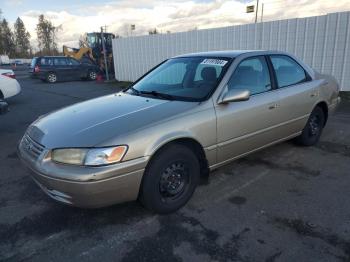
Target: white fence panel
x,y
321,41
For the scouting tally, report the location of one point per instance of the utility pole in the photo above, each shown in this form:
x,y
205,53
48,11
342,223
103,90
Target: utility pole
x,y
256,12
104,53
262,12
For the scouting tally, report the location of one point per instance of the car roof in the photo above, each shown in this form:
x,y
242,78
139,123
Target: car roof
x,y
229,53
53,56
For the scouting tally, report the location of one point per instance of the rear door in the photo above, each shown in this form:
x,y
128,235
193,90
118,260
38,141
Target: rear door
x,y
44,65
62,68
248,125
296,92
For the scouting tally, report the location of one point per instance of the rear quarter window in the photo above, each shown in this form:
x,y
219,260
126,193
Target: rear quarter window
x,y
33,63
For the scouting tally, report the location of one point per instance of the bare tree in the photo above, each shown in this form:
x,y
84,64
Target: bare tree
x,y
46,35
153,31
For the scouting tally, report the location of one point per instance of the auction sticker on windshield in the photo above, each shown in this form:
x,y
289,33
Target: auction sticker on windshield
x,y
217,62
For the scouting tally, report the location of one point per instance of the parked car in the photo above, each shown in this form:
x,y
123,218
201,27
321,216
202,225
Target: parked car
x,y
18,62
60,68
189,115
8,84
3,107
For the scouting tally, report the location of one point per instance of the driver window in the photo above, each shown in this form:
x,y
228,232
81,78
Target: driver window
x,y
251,74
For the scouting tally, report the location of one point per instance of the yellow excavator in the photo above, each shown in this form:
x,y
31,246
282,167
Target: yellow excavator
x,y
91,50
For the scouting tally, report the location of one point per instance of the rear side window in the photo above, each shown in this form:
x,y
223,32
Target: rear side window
x,y
60,61
46,61
288,72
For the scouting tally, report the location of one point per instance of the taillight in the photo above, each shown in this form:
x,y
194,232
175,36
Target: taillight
x,y
36,69
10,74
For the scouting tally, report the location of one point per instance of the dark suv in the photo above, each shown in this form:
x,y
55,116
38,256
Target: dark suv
x,y
61,68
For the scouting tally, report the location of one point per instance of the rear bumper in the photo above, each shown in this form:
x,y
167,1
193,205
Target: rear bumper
x,y
33,75
88,187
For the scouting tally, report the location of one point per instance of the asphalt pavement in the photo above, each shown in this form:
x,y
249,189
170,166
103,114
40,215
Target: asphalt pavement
x,y
284,203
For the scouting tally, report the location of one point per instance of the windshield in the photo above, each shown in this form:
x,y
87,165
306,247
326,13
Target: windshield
x,y
186,78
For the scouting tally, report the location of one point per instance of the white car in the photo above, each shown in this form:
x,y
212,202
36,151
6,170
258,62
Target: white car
x,y
9,86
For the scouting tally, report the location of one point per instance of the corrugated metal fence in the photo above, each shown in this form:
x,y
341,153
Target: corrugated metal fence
x,y
321,41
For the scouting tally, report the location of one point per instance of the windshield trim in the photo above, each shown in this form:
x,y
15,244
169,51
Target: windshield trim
x,y
188,99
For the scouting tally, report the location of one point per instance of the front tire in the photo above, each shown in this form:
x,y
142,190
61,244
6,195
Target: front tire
x,y
170,179
313,128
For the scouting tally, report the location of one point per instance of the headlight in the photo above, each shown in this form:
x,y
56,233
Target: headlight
x,y
89,157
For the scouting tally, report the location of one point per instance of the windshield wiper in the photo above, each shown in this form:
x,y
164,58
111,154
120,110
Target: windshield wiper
x,y
135,91
157,94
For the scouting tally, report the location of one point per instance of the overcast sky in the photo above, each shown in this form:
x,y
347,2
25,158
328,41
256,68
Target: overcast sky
x,y
79,16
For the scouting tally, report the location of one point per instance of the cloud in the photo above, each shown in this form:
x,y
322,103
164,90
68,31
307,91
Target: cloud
x,y
174,16
13,3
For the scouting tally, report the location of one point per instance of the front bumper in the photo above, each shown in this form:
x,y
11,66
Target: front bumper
x,y
88,187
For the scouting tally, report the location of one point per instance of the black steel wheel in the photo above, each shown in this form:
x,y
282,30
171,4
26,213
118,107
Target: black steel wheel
x,y
313,128
170,179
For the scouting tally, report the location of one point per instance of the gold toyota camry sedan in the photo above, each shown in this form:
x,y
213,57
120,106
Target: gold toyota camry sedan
x,y
188,115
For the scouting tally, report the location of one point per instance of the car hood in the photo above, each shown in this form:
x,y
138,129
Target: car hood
x,y
90,123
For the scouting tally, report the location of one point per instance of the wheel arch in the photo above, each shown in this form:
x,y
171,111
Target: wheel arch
x,y
195,146
51,72
323,105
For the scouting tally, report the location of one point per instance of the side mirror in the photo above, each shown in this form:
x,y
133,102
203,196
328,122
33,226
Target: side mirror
x,y
3,107
235,95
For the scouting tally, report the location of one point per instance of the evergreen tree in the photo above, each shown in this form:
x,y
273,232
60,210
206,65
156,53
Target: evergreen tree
x,y
8,46
1,45
21,36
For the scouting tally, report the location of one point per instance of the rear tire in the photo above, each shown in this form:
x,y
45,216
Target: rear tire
x,y
170,179
51,77
92,75
313,128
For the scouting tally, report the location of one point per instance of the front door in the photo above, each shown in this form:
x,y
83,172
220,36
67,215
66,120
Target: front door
x,y
62,68
248,125
74,71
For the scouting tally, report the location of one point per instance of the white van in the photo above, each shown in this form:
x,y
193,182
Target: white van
x,y
4,60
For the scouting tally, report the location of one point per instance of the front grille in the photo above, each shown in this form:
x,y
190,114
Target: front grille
x,y
33,148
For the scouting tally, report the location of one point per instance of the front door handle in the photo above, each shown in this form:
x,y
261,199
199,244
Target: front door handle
x,y
273,106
